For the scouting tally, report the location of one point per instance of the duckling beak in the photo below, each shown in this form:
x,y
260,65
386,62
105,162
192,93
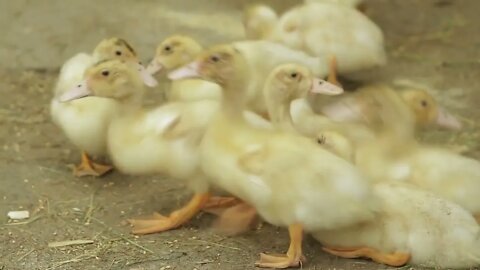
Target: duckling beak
x,y
147,77
320,86
191,70
79,91
447,120
154,67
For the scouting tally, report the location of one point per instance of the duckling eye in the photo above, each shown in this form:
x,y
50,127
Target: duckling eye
x,y
424,103
293,75
118,53
105,73
167,48
215,58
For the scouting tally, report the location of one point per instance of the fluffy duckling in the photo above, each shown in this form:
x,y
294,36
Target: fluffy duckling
x,y
261,57
345,36
362,107
176,51
85,121
287,178
413,226
160,140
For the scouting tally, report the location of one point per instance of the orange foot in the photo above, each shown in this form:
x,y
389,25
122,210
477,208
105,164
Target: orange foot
x,y
89,168
294,256
392,259
160,223
332,72
236,219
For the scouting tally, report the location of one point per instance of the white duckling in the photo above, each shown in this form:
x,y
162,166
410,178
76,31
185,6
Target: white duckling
x,y
287,178
85,121
176,51
159,140
345,36
413,226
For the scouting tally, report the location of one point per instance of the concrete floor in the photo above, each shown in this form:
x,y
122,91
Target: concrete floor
x,y
431,42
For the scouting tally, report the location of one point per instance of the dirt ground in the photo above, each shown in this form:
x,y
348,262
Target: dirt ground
x,y
431,42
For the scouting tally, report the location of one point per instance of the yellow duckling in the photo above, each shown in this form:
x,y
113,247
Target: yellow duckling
x,y
287,178
85,121
412,226
176,51
345,36
159,140
396,156
362,107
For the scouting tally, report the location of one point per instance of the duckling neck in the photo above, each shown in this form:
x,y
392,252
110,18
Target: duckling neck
x,y
233,100
280,115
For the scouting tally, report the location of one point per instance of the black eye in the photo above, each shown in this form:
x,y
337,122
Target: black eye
x,y
215,58
294,75
105,73
424,103
118,53
167,48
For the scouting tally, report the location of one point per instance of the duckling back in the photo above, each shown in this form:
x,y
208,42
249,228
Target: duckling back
x,y
72,72
434,231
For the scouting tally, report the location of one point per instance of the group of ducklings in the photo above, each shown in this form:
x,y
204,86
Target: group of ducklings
x,y
239,117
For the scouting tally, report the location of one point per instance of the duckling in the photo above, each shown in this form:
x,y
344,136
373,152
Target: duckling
x,y
163,139
345,37
395,155
176,51
362,107
159,140
261,58
413,226
85,121
286,177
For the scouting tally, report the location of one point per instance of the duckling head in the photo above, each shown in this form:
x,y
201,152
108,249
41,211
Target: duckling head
x,y
221,64
291,81
426,110
115,48
259,21
114,79
174,52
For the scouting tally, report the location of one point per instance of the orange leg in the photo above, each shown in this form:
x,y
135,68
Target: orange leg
x,y
160,223
332,71
236,219
294,256
89,168
391,259
219,202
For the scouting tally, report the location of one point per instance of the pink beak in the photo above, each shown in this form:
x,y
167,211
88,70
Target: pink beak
x,y
320,86
79,91
154,67
191,70
446,120
146,76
